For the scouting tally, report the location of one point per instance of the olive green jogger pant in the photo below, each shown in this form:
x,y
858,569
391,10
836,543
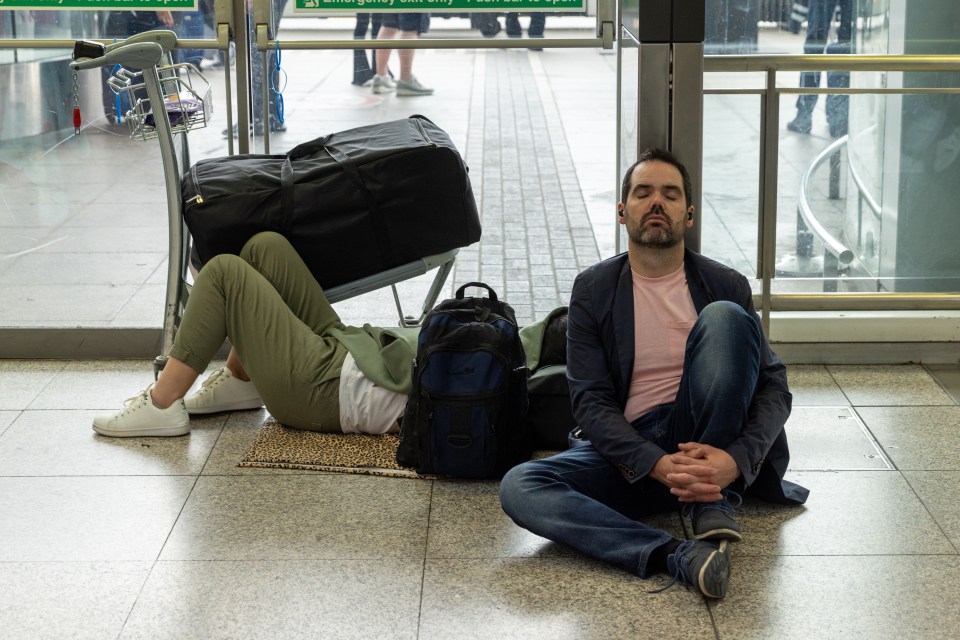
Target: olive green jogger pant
x,y
275,314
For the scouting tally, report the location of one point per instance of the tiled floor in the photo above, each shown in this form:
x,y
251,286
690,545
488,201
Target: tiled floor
x,y
168,538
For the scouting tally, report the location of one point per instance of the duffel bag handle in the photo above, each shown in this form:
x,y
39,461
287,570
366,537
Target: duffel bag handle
x,y
492,296
349,168
320,144
308,148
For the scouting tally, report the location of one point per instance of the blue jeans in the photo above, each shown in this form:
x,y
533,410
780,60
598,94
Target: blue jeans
x,y
579,499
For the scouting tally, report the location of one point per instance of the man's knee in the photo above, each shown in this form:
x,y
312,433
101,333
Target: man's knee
x,y
724,311
726,322
512,488
518,487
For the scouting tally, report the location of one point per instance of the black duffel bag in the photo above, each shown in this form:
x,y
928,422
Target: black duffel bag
x,y
352,203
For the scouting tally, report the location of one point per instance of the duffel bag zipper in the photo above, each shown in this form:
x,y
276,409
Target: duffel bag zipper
x,y
197,199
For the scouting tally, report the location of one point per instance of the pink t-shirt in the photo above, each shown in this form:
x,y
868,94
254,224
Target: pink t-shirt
x,y
663,314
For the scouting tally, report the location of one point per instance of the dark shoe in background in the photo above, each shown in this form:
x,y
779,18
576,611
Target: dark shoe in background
x,y
800,125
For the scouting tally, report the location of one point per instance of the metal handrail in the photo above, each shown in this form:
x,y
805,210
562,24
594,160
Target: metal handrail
x,y
843,252
831,62
865,194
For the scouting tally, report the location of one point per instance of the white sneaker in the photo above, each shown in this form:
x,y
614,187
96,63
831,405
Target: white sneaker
x,y
140,417
383,84
223,392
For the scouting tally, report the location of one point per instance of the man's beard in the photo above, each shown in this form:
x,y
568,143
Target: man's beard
x,y
660,237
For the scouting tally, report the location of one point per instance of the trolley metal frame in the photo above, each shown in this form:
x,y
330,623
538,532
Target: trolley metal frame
x,y
145,64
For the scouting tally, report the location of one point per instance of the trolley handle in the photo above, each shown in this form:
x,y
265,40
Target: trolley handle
x,y
141,55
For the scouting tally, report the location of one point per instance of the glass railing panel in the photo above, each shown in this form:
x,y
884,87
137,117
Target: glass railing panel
x,y
880,199
83,218
730,201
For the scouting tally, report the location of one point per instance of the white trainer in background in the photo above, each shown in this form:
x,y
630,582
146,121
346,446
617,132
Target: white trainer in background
x,y
223,392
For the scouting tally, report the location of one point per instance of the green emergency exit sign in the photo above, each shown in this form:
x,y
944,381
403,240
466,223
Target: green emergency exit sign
x,y
438,6
96,5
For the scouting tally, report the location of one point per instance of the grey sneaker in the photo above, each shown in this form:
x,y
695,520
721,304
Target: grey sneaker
x,y
701,564
412,87
714,520
383,84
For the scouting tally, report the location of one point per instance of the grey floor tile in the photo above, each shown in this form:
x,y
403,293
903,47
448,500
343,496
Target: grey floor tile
x,y
14,240
54,600
811,429
948,377
82,268
106,213
318,516
62,443
885,386
79,518
359,599
813,385
239,432
56,305
938,491
148,239
6,419
99,384
555,598
918,438
466,521
863,596
144,308
885,517
21,381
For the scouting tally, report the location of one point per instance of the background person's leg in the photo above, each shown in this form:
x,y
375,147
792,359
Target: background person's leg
x,y
818,26
513,25
537,22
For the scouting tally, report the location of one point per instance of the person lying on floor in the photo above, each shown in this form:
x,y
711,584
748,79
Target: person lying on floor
x,y
290,353
310,371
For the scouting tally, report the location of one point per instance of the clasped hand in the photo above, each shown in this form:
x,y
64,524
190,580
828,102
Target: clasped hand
x,y
697,472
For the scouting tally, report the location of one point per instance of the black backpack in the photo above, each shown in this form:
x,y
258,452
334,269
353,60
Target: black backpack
x,y
465,412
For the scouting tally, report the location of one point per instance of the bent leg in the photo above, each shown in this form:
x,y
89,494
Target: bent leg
x,y
296,371
720,372
275,259
579,499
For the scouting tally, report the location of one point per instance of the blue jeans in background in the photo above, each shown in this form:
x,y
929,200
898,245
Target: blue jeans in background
x,y
579,499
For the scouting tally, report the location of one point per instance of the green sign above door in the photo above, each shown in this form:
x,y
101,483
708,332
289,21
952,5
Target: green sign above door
x,y
96,5
438,6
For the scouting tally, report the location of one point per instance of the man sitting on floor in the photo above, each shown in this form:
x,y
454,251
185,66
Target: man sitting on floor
x,y
675,386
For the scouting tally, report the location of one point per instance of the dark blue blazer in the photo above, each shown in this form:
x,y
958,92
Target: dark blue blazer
x,y
600,353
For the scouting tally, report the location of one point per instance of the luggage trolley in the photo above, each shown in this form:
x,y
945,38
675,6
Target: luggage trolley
x,y
148,77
